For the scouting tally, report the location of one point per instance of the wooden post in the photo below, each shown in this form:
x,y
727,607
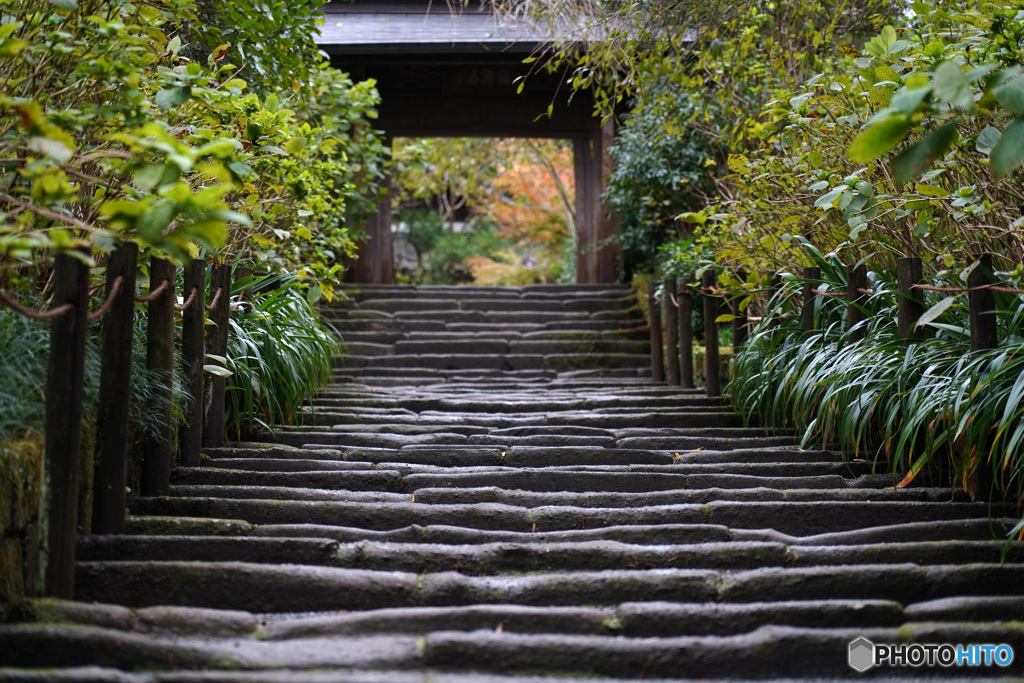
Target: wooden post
x,y
982,310
856,280
740,324
587,208
58,504
671,332
685,299
657,360
911,304
812,279
156,454
982,305
109,492
712,365
217,344
193,351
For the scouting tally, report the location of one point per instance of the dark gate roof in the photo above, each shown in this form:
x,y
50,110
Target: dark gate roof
x,y
389,27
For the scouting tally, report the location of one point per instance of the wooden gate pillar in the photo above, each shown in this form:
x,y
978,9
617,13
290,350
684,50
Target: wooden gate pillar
x,y
375,259
597,255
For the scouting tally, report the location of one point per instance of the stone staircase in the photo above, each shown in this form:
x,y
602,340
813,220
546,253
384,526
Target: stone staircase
x,y
493,490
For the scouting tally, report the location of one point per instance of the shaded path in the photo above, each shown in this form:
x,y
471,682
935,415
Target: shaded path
x,y
492,485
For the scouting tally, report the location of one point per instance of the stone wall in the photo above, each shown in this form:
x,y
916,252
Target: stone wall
x,y
20,485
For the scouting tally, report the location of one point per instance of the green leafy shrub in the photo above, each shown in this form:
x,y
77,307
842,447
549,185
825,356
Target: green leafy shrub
x,y
657,176
905,405
279,352
130,136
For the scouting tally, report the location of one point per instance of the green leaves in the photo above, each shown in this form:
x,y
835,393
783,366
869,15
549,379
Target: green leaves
x,y
886,43
933,313
951,85
1008,153
878,138
173,97
916,159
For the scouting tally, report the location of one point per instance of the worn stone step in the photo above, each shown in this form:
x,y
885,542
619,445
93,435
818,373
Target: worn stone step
x,y
157,525
482,316
772,651
778,652
368,480
365,349
297,463
803,518
479,345
803,489
472,560
56,645
631,619
282,492
298,588
457,535
603,478
508,361
262,550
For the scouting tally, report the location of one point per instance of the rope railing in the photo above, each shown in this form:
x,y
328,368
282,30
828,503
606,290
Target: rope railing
x,y
188,302
216,299
154,294
105,308
12,303
827,294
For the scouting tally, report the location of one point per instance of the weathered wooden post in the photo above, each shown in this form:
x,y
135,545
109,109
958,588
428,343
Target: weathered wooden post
x,y
685,299
856,280
671,332
58,504
812,279
982,305
982,310
911,305
712,364
156,454
109,492
193,330
217,345
657,359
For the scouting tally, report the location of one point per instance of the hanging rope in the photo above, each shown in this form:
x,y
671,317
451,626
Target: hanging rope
x,y
188,301
153,295
105,308
216,299
33,315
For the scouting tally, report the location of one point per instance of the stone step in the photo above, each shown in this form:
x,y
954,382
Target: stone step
x,y
490,559
513,403
477,345
471,303
731,488
322,413
796,518
773,650
303,588
631,619
510,361
459,291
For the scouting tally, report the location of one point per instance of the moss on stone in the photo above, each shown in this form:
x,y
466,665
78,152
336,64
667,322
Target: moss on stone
x,y
21,466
